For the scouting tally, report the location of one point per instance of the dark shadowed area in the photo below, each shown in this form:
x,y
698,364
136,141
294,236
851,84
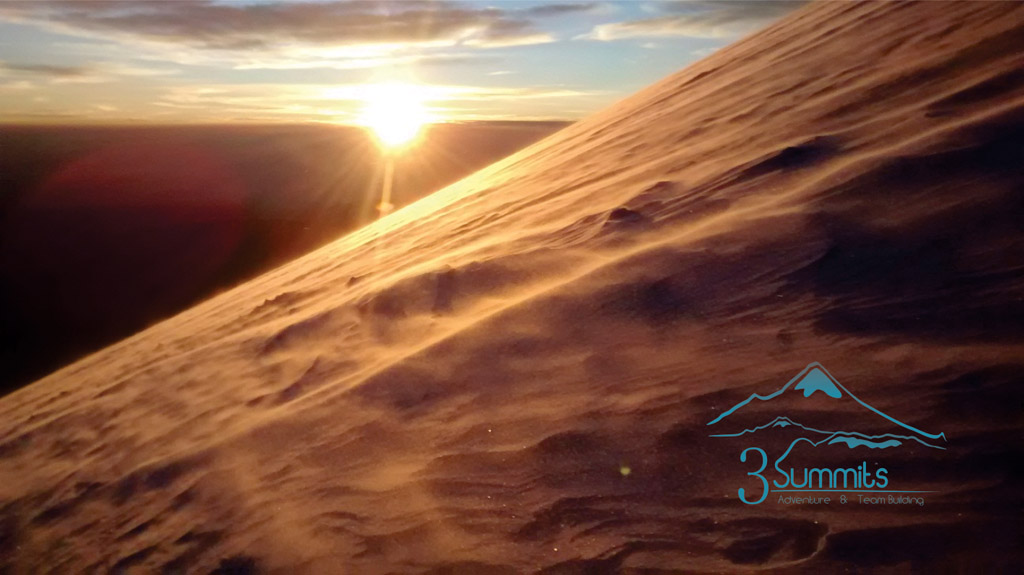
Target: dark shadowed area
x,y
104,230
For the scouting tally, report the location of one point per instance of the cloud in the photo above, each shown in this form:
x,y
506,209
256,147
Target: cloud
x,y
84,74
8,85
700,19
304,34
343,59
46,70
547,10
264,26
51,74
510,41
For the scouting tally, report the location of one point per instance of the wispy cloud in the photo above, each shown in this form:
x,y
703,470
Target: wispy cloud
x,y
83,74
45,70
548,10
220,26
698,19
297,35
10,85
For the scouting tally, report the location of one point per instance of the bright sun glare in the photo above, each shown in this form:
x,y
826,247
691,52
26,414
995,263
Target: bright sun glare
x,y
394,112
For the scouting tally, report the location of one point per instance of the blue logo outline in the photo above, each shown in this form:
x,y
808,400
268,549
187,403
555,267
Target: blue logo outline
x,y
831,387
805,371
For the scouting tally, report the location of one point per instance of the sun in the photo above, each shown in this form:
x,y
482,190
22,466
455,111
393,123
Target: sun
x,y
395,113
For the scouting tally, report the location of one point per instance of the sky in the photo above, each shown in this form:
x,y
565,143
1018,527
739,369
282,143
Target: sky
x,y
260,61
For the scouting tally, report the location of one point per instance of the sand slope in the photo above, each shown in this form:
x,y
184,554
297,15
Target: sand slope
x,y
515,374
102,233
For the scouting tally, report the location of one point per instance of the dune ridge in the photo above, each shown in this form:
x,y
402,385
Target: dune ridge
x,y
514,375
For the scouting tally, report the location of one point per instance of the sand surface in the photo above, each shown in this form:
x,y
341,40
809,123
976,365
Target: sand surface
x,y
516,374
104,233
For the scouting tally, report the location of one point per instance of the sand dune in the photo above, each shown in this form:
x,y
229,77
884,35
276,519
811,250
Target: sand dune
x,y
516,374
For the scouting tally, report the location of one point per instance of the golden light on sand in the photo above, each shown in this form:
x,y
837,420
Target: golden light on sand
x,y
394,113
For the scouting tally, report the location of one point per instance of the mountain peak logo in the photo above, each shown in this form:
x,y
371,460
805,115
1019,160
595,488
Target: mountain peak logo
x,y
810,381
803,416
